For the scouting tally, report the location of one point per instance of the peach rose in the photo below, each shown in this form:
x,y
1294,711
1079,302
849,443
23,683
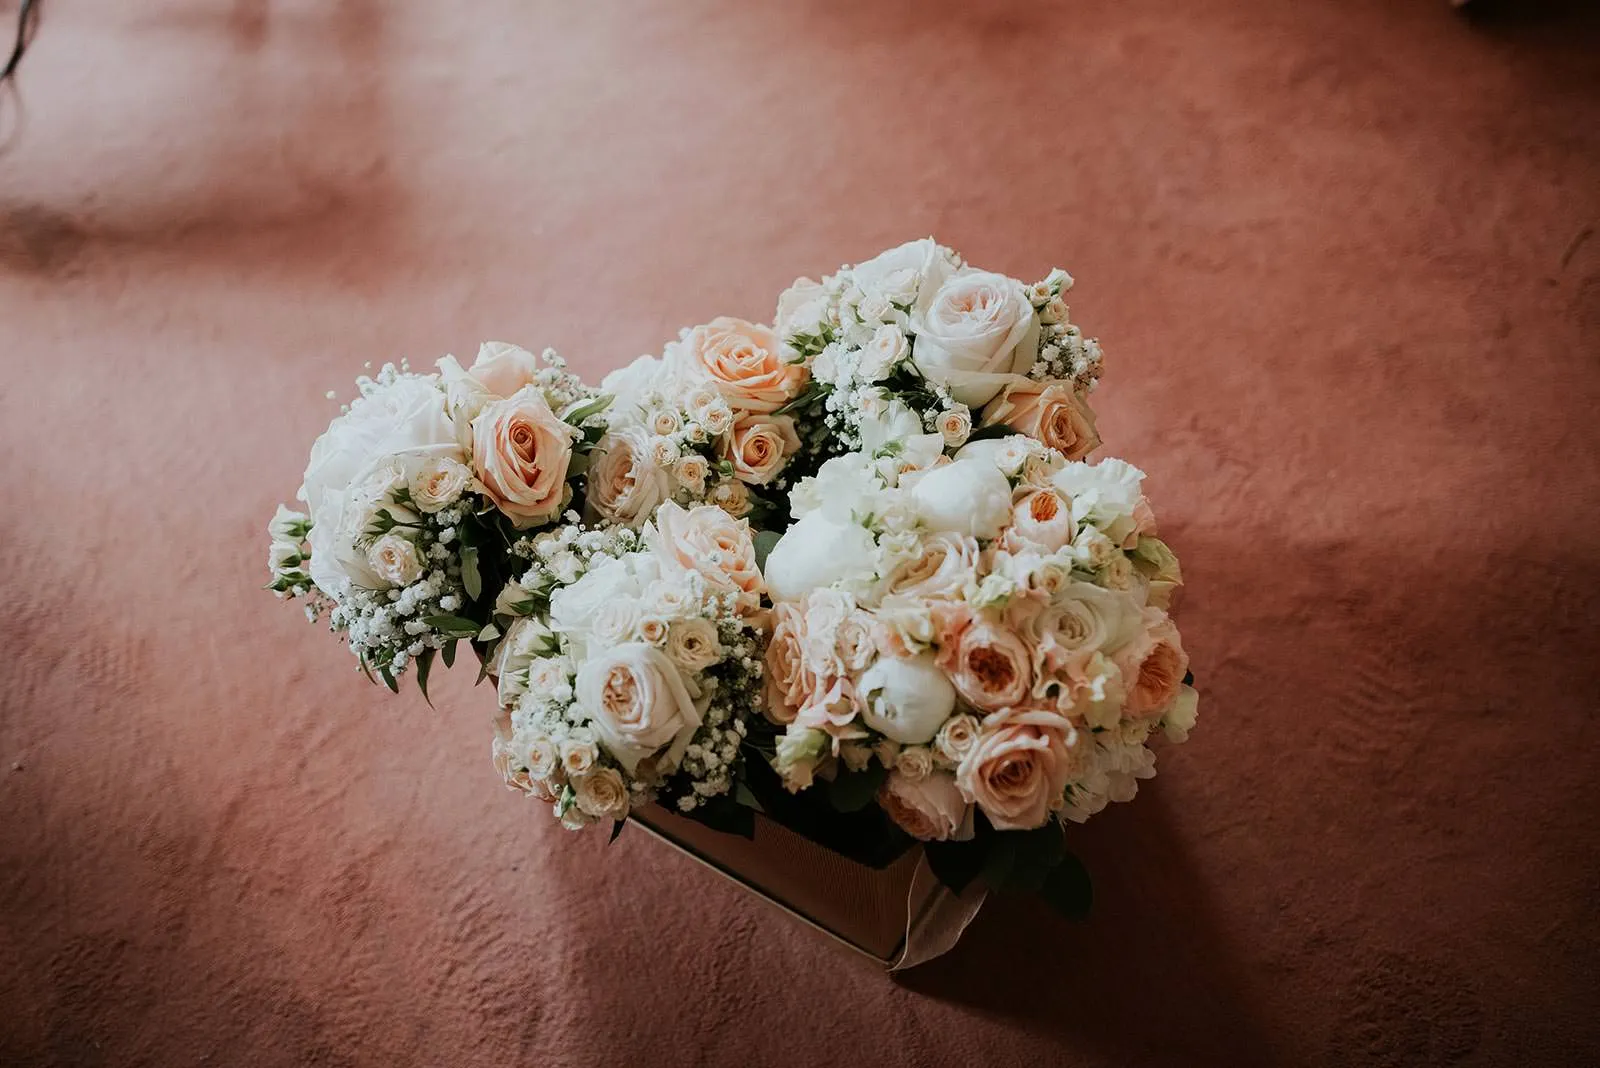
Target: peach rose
x,y
744,361
503,369
930,808
707,541
625,483
989,664
790,681
1019,768
1042,517
1051,412
521,452
637,702
1153,666
759,446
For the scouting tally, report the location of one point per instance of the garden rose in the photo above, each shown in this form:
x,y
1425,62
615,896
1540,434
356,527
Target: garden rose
x,y
637,702
625,484
941,567
1050,412
977,329
395,560
1042,517
989,664
1153,666
693,644
789,679
744,361
521,453
930,809
602,794
759,446
1018,769
957,737
706,541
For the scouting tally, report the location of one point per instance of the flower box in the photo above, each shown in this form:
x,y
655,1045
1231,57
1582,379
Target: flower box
x,y
899,915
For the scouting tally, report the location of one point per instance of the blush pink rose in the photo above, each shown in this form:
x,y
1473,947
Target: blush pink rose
x,y
744,361
706,540
1050,412
929,808
521,453
1018,769
503,369
790,682
759,446
990,665
1153,666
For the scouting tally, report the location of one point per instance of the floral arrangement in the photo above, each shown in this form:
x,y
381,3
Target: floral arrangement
x,y
852,570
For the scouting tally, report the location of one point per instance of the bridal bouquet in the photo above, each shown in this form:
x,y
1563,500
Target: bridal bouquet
x,y
852,570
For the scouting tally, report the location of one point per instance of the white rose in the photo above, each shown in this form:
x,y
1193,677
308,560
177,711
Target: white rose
x,y
969,496
638,703
281,553
575,609
438,482
818,552
893,422
978,329
799,751
915,762
903,273
407,416
616,620
395,560
802,309
906,699
602,794
525,641
629,385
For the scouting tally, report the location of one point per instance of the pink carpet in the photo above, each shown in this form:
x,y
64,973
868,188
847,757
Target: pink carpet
x,y
1344,263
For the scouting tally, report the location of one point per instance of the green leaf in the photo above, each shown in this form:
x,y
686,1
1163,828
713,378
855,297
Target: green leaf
x,y
425,665
986,433
852,791
449,656
576,414
453,626
1033,856
956,864
1068,889
616,829
743,794
470,578
365,670
764,541
388,678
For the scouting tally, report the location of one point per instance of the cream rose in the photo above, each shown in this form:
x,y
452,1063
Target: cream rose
x,y
1018,769
638,703
395,560
503,369
731,496
744,361
759,446
602,794
914,761
956,737
521,453
693,644
625,484
902,274
1049,412
941,567
989,665
906,699
790,681
955,426
708,542
438,482
887,347
802,309
978,328
930,809
800,750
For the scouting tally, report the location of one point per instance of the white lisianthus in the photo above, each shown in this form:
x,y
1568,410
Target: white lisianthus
x,y
818,552
284,524
525,642
906,699
969,496
1107,494
281,553
976,331
799,751
802,309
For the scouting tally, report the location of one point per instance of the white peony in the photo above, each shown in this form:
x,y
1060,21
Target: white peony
x,y
976,331
818,552
906,699
969,496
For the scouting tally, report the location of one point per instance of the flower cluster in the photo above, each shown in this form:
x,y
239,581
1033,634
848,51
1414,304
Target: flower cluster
x,y
915,341
630,664
700,424
991,629
414,481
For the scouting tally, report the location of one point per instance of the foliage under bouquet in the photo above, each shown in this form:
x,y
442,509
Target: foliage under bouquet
x,y
852,571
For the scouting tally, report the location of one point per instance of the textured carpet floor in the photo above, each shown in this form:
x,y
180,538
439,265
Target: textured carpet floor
x,y
1341,255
